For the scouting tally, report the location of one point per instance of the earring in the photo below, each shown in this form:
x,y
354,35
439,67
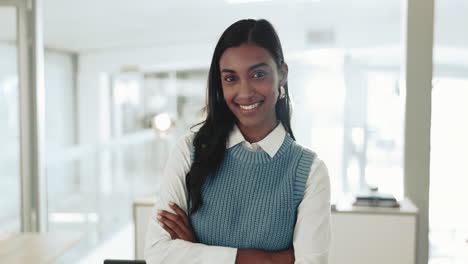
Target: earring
x,y
282,93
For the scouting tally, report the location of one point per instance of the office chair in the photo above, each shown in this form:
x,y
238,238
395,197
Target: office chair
x,y
121,261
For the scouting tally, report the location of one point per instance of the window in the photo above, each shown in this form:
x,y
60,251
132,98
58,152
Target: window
x,y
449,150
448,218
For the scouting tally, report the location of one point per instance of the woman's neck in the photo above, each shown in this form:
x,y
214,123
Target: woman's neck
x,y
256,133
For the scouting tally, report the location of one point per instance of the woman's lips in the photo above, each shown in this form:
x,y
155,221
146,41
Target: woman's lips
x,y
249,108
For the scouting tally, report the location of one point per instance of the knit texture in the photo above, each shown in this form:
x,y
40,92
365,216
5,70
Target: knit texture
x,y
251,200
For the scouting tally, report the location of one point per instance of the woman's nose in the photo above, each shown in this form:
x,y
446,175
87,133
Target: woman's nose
x,y
245,90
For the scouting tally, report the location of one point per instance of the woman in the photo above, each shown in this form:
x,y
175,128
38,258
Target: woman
x,y
241,190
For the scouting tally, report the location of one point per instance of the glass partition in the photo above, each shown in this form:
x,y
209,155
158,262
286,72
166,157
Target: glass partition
x,y
9,123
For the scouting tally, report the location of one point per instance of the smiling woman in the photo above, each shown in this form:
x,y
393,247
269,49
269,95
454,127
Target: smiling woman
x,y
250,78
240,189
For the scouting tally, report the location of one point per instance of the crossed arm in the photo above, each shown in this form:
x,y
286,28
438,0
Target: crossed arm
x,y
173,242
179,227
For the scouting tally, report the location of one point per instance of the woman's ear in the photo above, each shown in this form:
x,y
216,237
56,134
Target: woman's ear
x,y
283,74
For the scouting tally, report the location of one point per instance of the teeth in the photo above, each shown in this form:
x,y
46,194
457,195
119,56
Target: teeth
x,y
249,107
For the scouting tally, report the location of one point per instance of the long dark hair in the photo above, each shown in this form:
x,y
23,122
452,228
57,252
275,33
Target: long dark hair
x,y
210,140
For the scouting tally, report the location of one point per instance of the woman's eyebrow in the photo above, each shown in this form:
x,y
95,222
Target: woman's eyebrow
x,y
250,68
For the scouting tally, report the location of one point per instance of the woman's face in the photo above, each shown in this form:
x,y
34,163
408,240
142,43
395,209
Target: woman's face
x,y
250,79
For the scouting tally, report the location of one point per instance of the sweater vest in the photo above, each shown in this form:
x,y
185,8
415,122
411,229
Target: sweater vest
x,y
251,200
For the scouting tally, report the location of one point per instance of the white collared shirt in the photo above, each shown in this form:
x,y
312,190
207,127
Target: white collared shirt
x,y
312,232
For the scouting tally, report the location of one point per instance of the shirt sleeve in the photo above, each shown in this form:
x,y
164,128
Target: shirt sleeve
x,y
312,234
159,247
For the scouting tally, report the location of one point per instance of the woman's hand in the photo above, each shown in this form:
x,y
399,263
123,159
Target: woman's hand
x,y
284,256
247,256
177,225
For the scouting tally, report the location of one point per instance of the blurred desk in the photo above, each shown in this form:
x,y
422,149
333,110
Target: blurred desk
x,y
406,208
141,214
38,248
368,235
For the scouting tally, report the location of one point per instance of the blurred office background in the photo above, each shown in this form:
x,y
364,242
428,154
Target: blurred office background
x,y
124,79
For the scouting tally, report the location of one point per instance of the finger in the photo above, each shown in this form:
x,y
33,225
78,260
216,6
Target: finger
x,y
180,212
176,219
176,228
165,227
170,231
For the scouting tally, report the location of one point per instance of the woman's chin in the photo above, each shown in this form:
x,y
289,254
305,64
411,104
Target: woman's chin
x,y
252,123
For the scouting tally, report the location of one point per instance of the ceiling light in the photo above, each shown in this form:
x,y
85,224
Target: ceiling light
x,y
162,122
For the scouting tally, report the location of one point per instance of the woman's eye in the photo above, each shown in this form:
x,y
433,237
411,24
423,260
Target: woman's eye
x,y
230,78
259,74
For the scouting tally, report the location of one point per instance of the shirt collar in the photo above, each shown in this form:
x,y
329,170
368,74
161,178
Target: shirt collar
x,y
270,144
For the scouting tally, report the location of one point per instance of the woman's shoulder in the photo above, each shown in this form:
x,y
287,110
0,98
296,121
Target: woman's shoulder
x,y
305,150
310,154
313,167
185,142
181,151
